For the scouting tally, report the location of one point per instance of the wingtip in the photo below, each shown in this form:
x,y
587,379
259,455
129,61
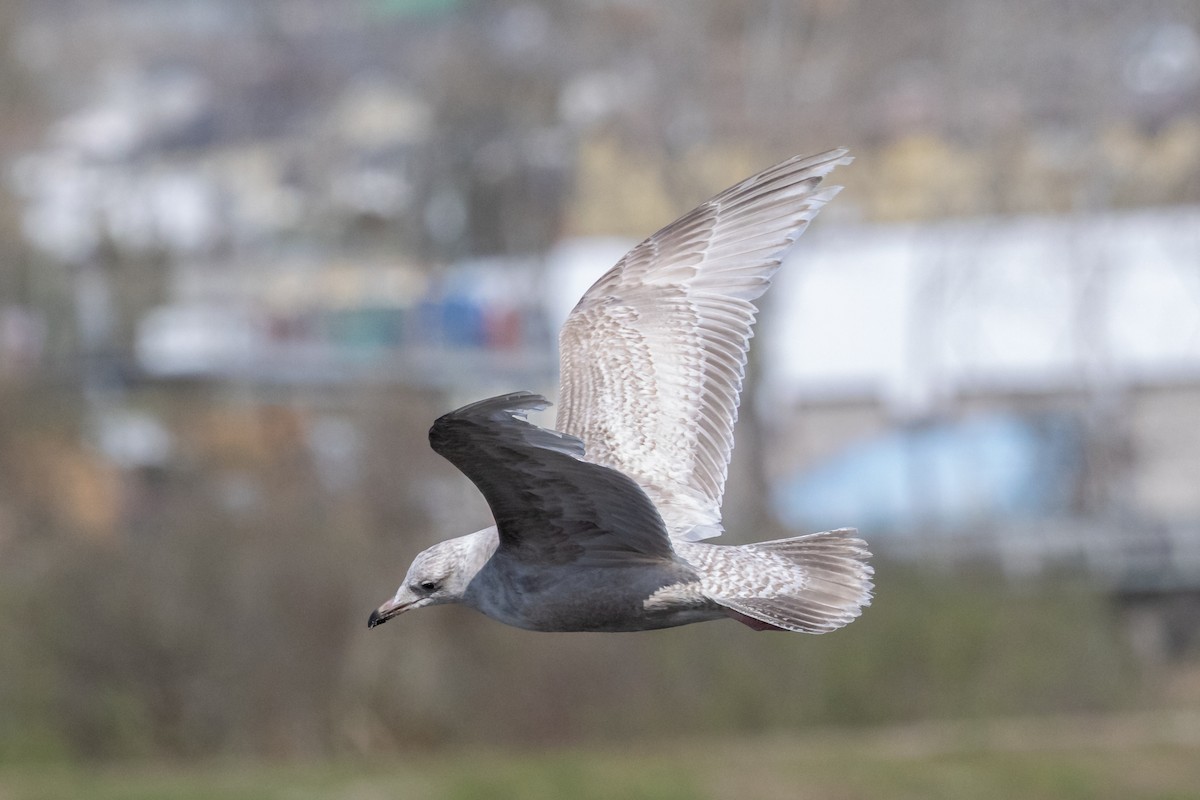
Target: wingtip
x,y
519,404
837,157
506,411
514,403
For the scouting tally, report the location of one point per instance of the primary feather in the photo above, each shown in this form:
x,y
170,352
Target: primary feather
x,y
654,354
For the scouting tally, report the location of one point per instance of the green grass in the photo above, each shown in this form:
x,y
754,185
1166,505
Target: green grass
x,y
1122,758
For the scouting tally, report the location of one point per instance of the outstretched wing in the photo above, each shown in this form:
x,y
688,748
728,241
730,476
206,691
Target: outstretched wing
x,y
653,356
550,506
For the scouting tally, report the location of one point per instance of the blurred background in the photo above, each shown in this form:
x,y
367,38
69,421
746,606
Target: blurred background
x,y
250,250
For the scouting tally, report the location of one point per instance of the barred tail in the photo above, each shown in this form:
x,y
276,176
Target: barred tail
x,y
833,584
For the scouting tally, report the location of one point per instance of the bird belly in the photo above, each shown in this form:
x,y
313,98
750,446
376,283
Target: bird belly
x,y
600,599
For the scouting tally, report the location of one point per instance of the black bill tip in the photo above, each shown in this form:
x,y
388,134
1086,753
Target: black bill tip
x,y
376,619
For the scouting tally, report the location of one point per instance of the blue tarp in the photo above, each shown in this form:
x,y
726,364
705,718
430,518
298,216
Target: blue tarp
x,y
949,475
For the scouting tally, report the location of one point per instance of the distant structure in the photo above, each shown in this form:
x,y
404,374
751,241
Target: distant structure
x,y
1023,391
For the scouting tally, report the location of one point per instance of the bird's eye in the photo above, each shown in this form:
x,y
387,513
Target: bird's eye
x,y
428,586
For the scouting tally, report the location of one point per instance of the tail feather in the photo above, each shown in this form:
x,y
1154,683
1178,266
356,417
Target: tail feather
x,y
831,584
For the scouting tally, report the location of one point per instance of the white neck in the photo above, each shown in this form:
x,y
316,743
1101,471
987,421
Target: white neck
x,y
473,551
476,548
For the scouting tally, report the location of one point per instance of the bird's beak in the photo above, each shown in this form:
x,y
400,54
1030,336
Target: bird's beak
x,y
392,608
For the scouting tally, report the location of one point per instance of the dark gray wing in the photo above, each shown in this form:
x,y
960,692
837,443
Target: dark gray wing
x,y
550,506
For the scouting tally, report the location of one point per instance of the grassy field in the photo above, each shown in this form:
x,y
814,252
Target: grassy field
x,y
1123,758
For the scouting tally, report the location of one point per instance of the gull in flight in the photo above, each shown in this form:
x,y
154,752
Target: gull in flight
x,y
600,522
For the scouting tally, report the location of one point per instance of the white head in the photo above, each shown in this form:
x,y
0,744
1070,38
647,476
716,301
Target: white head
x,y
439,574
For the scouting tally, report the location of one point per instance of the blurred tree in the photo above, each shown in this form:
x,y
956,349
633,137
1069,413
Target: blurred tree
x,y
20,125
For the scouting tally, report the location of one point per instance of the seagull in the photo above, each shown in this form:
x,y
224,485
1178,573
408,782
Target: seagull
x,y
599,523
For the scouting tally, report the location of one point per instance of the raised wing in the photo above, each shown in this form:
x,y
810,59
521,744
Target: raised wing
x,y
653,356
550,506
